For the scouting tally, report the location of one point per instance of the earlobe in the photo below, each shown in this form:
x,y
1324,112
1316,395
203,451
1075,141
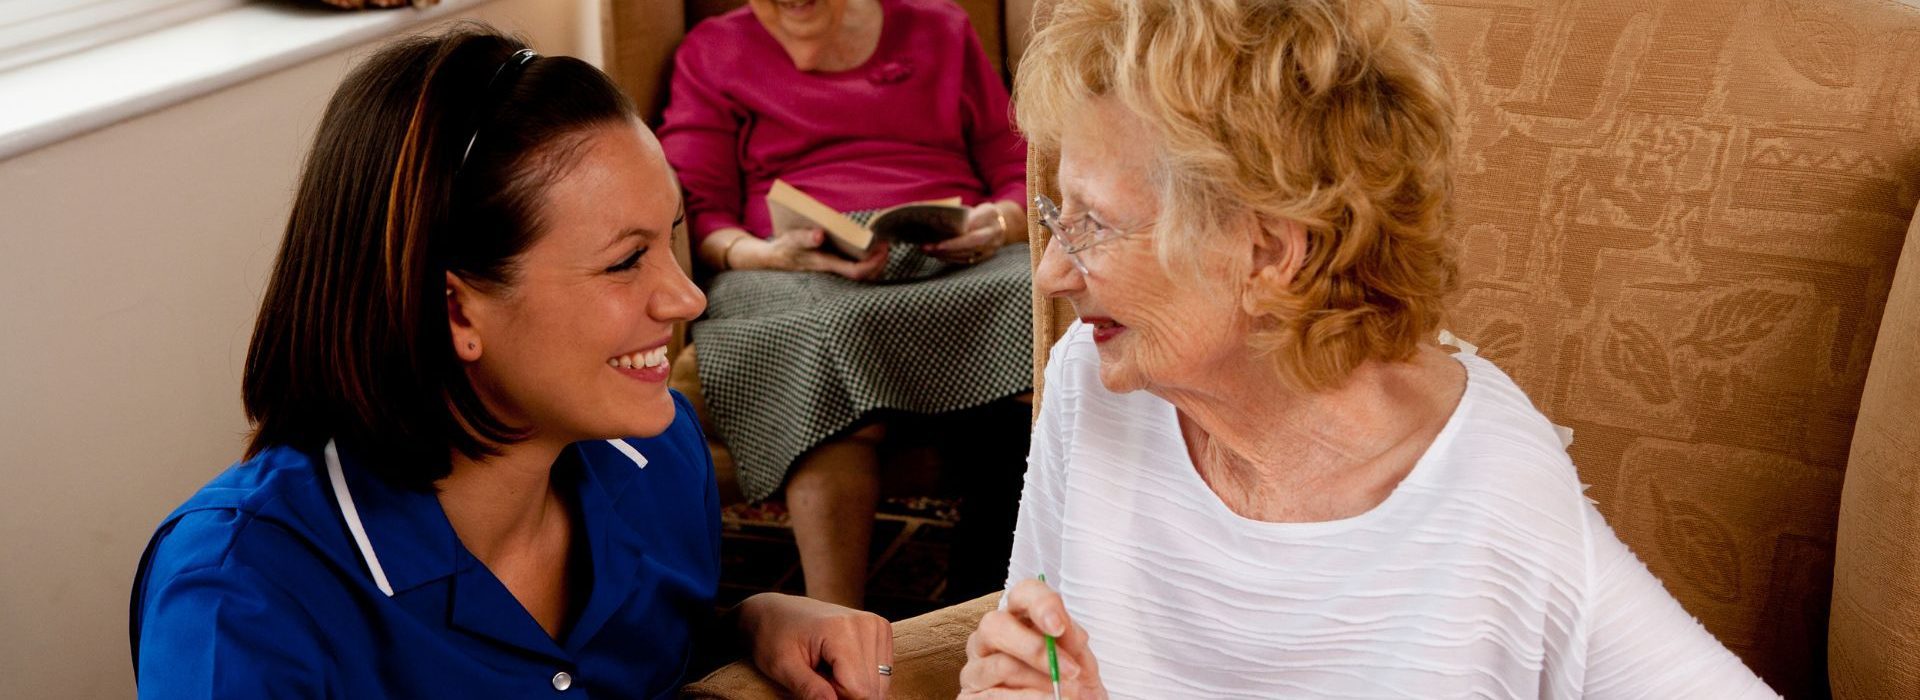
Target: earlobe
x,y
460,326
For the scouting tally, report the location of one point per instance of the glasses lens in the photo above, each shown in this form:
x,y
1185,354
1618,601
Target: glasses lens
x,y
1068,237
1050,216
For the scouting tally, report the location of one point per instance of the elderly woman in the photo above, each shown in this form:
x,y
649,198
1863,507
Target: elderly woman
x,y
862,104
1253,474
467,476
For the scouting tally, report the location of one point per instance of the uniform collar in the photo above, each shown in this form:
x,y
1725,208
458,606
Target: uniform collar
x,y
403,534
412,544
619,553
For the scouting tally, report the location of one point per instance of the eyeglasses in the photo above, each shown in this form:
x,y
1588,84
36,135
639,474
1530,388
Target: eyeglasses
x,y
1077,237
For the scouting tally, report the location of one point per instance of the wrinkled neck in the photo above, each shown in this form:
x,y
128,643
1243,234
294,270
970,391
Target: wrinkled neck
x,y
845,47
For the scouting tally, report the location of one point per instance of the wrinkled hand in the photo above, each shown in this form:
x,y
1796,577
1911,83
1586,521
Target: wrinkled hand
x,y
1007,655
983,236
817,650
799,249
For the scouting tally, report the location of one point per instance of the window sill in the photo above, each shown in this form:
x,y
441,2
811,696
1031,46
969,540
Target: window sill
x,y
61,98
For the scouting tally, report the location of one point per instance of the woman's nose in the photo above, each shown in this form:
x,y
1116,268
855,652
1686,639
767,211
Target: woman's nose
x,y
1056,275
678,298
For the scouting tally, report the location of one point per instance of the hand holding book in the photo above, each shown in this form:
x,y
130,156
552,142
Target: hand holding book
x,y
941,228
856,233
985,231
798,249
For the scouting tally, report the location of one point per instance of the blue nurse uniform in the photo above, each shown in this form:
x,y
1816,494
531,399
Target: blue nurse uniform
x,y
301,574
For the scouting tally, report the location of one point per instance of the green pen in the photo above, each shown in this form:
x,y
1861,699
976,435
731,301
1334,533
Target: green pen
x,y
1053,657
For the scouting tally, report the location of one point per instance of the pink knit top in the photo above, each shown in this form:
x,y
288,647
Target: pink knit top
x,y
926,117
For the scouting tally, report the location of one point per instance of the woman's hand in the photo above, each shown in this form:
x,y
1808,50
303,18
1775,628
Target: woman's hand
x,y
799,249
818,650
986,231
1007,655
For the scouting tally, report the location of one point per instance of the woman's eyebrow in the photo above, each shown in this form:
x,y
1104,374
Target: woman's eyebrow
x,y
630,233
1079,207
679,217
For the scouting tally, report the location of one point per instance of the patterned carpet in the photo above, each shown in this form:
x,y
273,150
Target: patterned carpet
x,y
908,563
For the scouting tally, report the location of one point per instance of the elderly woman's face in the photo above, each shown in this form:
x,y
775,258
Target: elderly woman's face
x,y
576,346
800,20
1153,331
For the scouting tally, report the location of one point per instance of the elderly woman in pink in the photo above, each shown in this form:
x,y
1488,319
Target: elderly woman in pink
x,y
862,104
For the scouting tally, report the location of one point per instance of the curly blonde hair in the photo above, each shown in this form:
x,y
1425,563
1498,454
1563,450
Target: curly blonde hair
x,y
1331,113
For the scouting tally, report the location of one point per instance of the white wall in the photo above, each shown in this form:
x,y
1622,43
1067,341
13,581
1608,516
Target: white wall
x,y
131,263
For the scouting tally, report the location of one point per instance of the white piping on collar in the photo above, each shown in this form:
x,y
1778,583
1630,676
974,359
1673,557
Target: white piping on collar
x,y
628,450
352,516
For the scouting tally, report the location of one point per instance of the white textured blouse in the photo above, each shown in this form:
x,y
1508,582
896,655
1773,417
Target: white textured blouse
x,y
1486,573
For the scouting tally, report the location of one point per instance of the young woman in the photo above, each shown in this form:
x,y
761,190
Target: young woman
x,y
467,477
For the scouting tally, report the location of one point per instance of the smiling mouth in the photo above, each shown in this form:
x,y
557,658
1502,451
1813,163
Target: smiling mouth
x,y
641,359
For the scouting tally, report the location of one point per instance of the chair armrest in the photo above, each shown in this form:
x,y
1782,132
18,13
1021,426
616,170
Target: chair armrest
x,y
928,652
1872,644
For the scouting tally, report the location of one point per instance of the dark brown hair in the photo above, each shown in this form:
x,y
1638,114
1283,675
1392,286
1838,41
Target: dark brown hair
x,y
352,340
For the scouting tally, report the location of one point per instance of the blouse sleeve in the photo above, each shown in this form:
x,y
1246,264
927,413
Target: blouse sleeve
x,y
1037,532
700,132
1641,643
225,630
998,154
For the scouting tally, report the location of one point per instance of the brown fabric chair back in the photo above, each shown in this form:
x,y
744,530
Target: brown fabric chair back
x,y
1678,222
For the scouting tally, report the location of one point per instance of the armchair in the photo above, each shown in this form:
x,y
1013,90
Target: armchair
x,y
1688,229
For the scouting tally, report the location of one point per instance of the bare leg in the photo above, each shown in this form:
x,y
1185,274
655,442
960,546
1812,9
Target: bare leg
x,y
831,496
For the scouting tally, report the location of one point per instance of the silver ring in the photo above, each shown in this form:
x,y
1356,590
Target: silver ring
x,y
886,670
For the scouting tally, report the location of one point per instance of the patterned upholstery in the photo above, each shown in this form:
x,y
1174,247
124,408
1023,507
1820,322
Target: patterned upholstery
x,y
1678,222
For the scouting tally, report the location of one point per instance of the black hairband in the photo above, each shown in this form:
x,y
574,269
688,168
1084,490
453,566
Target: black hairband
x,y
501,80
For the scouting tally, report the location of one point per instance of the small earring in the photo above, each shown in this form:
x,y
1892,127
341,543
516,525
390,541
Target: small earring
x,y
469,345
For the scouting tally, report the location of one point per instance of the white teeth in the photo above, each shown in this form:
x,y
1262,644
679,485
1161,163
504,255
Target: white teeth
x,y
645,358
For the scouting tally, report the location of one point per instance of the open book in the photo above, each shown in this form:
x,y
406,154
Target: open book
x,y
854,233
